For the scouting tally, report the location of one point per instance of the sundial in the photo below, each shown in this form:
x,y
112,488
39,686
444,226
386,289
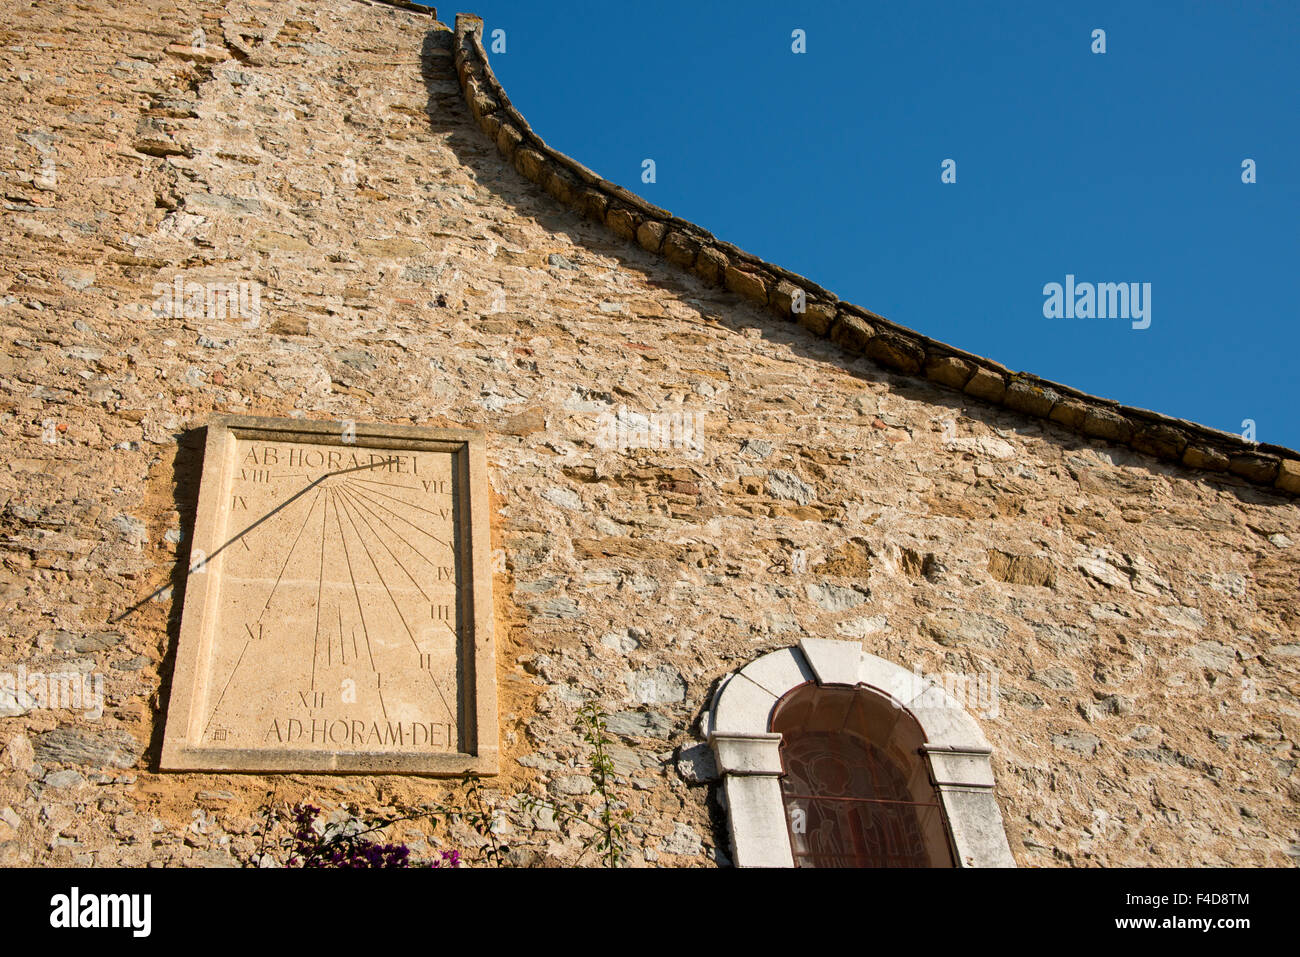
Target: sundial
x,y
338,611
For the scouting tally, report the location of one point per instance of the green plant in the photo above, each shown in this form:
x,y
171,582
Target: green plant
x,y
611,839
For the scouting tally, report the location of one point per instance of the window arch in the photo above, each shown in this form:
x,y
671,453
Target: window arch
x,y
855,787
746,730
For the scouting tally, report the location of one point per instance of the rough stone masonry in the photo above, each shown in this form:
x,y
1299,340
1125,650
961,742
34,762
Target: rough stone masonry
x,y
1130,581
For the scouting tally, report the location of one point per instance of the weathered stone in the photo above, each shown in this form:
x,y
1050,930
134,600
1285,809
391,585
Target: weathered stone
x,y
680,249
784,296
683,841
18,752
1078,742
1021,569
749,285
660,685
1254,466
97,641
508,139
622,221
697,764
650,235
1101,567
15,701
572,784
86,748
1161,441
959,630
711,265
197,54
480,103
593,204
1030,398
817,318
783,484
1288,475
560,607
851,332
895,352
159,146
289,325
269,240
393,247
948,370
986,384
525,423
531,164
1069,413
643,724
64,779
1214,655
1057,677
561,185
622,642
1203,457
1105,424
77,279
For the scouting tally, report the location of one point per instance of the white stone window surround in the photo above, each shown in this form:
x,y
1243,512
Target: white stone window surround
x,y
749,756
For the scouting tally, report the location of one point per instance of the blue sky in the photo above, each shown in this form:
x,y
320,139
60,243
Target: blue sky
x,y
1123,166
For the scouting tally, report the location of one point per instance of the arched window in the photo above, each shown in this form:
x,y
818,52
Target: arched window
x,y
856,788
833,756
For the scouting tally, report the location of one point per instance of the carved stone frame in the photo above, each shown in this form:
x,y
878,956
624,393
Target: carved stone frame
x,y
478,748
749,755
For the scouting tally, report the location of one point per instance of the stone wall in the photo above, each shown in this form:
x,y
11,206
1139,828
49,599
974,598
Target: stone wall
x,y
1138,614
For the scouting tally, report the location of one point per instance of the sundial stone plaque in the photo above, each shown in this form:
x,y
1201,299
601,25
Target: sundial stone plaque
x,y
338,612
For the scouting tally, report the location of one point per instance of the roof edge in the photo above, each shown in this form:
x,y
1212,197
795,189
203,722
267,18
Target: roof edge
x,y
407,5
857,331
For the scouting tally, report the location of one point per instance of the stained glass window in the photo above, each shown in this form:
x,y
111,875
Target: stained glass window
x,y
856,790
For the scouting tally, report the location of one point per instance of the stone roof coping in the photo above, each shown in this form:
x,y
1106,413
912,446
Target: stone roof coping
x,y
857,331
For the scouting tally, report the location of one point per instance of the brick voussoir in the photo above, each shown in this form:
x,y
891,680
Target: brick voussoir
x,y
855,329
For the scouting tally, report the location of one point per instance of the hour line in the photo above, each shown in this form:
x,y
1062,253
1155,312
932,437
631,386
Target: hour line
x,y
421,508
451,714
389,484
320,590
399,515
366,548
225,687
355,591
347,498
370,510
306,518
